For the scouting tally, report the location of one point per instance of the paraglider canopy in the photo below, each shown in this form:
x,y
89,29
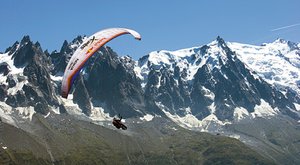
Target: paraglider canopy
x,y
86,50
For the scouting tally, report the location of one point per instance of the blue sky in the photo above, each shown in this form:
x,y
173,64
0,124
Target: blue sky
x,y
163,24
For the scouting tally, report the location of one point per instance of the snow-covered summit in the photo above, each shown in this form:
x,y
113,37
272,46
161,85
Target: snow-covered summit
x,y
278,63
187,60
208,82
212,79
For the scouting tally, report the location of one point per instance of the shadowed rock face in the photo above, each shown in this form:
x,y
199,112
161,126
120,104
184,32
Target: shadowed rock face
x,y
81,96
4,68
226,86
33,87
110,81
107,81
60,59
3,92
25,52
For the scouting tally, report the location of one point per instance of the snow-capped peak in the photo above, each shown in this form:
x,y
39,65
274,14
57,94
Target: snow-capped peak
x,y
278,63
280,40
188,60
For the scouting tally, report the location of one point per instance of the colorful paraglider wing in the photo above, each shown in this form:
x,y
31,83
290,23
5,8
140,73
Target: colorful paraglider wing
x,y
86,50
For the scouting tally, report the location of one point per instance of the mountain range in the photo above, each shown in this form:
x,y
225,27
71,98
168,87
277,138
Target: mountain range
x,y
231,89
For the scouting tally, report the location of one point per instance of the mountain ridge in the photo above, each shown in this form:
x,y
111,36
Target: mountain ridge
x,y
183,81
209,88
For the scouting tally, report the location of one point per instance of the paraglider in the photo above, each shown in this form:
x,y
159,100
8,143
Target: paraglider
x,y
86,50
118,123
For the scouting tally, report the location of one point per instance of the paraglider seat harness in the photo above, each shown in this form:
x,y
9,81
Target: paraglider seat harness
x,y
118,124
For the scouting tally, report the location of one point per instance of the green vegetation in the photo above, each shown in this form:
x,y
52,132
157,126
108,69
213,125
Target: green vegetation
x,y
69,141
21,157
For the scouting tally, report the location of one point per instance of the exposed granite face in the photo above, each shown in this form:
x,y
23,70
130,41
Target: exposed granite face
x,y
111,82
34,86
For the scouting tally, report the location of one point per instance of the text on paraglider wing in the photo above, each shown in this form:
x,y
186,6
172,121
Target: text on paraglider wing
x,y
86,50
96,45
90,41
73,64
